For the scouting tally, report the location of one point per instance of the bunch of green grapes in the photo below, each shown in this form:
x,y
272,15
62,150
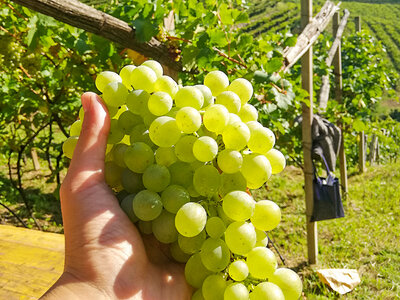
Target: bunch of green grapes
x,y
183,160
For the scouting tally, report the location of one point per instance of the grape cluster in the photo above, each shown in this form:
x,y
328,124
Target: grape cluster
x,y
183,160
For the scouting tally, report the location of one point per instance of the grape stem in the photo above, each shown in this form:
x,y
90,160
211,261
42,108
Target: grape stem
x,y
220,53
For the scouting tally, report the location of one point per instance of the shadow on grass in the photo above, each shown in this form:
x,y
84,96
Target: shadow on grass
x,y
45,206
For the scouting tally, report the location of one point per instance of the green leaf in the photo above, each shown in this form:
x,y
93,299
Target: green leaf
x,y
225,14
144,29
260,77
359,125
218,37
273,65
290,42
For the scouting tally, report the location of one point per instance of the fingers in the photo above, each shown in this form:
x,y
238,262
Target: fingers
x,y
89,154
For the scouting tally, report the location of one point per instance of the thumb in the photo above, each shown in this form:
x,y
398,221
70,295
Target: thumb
x,y
88,159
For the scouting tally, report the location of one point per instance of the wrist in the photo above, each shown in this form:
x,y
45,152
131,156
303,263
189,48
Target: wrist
x,y
68,286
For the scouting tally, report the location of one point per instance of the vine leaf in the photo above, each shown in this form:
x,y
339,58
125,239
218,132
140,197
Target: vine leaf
x,y
145,29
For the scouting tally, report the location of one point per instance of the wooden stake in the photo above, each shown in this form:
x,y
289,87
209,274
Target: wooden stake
x,y
337,65
307,84
357,22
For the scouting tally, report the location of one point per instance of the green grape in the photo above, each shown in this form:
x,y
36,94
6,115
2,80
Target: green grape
x,y
256,169
181,174
115,134
215,227
140,133
242,88
267,291
216,118
208,97
190,219
164,228
192,192
76,128
205,149
155,66
121,195
172,113
261,262
143,78
289,282
229,161
127,207
234,118
236,291
115,94
112,111
160,103
120,110
125,75
213,287
193,244
248,113
177,253
236,136
145,227
127,120
156,178
174,197
223,216
261,139
230,100
137,100
238,270
148,118
188,119
262,238
138,157
206,180
165,156
240,237
215,254
232,182
217,82
166,84
277,160
126,140
195,271
203,131
81,114
189,96
184,148
118,153
238,205
267,215
105,78
197,295
131,181
112,174
164,132
147,205
69,146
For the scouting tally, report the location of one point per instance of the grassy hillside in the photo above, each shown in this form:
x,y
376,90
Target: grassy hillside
x,y
366,239
380,17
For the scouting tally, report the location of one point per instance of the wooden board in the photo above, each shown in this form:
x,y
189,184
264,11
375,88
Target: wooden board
x,y
30,262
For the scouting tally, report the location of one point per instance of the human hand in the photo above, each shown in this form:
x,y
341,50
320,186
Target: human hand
x,y
105,256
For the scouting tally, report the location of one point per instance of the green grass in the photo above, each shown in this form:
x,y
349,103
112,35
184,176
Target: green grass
x,y
367,239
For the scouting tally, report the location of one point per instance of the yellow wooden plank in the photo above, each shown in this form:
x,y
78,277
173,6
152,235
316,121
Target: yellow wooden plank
x,y
52,241
28,267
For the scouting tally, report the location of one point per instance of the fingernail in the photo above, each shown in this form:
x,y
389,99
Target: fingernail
x,y
86,103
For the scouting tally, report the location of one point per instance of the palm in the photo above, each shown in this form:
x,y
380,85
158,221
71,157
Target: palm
x,y
102,245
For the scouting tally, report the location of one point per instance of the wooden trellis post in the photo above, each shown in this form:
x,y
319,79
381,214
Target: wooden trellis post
x,y
361,146
337,70
307,84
